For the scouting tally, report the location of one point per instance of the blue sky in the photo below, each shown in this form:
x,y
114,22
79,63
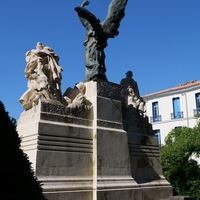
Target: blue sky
x,y
159,40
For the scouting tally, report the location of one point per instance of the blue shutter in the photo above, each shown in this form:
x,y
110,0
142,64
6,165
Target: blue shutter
x,y
155,111
198,102
176,108
157,134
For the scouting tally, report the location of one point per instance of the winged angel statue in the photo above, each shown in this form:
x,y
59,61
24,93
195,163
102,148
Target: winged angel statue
x,y
97,34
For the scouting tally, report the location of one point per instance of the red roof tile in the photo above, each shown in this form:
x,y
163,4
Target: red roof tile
x,y
180,86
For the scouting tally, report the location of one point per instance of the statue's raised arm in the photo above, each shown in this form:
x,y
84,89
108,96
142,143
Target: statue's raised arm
x,y
97,34
85,3
89,21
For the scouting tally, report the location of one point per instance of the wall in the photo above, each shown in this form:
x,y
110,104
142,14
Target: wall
x,y
164,99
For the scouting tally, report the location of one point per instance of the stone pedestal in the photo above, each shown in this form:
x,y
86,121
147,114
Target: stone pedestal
x,y
181,198
92,158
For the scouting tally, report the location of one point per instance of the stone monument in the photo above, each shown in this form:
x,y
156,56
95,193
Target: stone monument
x,y
93,141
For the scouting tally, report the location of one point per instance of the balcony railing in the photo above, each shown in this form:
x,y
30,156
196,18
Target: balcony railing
x,y
177,115
196,111
155,119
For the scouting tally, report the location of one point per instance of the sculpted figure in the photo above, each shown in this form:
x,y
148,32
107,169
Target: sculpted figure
x,y
44,76
133,106
76,99
97,34
130,84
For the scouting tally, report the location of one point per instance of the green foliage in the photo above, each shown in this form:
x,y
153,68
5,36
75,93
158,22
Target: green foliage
x,y
16,175
179,165
197,116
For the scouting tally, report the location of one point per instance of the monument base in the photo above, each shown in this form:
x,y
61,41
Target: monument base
x,y
92,158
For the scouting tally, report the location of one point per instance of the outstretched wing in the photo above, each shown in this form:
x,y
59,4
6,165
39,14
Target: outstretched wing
x,y
89,21
115,14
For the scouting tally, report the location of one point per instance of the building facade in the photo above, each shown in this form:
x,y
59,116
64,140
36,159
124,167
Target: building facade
x,y
173,107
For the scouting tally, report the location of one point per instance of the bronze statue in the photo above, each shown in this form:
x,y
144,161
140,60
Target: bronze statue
x,y
97,34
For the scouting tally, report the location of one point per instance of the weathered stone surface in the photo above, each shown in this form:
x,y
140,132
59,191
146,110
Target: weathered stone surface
x,y
94,157
108,90
181,198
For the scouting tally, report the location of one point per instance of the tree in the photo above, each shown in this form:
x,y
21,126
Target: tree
x,y
178,157
16,175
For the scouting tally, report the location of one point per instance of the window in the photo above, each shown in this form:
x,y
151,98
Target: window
x,y
155,111
197,97
157,134
176,108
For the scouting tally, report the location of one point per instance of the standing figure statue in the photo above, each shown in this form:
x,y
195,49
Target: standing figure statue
x,y
97,34
130,84
133,106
